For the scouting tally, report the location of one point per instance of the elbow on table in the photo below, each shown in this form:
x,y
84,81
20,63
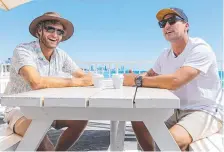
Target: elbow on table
x,y
36,85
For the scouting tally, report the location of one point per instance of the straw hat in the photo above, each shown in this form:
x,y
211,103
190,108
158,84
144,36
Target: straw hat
x,y
68,26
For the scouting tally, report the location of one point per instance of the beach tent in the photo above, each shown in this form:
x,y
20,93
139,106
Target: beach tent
x,y
9,4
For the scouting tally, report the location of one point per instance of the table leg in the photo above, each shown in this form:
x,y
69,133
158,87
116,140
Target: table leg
x,y
161,135
117,135
113,134
120,136
34,135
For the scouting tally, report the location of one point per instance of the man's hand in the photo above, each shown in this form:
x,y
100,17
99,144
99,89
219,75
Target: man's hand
x,y
85,80
78,73
129,79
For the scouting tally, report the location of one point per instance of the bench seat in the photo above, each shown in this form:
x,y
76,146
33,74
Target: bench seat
x,y
8,140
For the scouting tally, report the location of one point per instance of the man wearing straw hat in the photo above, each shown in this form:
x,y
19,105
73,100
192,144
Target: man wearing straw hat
x,y
41,64
189,68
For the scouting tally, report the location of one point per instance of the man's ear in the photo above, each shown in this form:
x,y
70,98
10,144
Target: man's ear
x,y
39,31
186,26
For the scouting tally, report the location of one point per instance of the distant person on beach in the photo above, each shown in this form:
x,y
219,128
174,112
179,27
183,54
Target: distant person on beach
x,y
41,64
188,68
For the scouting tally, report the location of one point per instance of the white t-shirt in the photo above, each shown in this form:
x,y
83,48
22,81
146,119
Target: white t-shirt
x,y
201,93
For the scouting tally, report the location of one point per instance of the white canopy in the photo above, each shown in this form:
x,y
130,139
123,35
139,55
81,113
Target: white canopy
x,y
9,4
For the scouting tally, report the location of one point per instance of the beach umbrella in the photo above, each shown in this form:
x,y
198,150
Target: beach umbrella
x,y
9,4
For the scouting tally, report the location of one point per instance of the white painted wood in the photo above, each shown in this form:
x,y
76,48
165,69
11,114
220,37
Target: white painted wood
x,y
113,98
120,135
115,114
3,83
210,144
117,135
15,100
30,98
104,104
65,102
160,132
34,135
113,135
9,142
8,139
156,98
47,97
69,97
72,113
5,131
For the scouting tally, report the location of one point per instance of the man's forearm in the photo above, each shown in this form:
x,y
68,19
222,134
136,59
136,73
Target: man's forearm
x,y
52,82
160,81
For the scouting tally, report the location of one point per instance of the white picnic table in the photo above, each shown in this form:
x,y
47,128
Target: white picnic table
x,y
150,105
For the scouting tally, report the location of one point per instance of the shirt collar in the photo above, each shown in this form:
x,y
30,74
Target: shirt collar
x,y
184,51
40,53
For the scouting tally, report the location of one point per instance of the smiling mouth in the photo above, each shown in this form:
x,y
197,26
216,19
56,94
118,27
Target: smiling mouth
x,y
169,32
53,40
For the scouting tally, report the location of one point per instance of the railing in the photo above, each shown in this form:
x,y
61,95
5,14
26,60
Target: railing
x,y
109,68
4,76
4,79
4,70
221,71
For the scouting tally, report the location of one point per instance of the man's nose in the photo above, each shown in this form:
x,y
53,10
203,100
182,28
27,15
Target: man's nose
x,y
55,33
167,25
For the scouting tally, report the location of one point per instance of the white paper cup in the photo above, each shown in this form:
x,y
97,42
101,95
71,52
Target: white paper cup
x,y
98,80
118,81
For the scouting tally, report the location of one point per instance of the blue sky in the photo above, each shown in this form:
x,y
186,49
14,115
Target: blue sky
x,y
113,30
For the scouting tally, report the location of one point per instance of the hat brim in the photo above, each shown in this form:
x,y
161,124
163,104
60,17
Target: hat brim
x,y
164,12
69,28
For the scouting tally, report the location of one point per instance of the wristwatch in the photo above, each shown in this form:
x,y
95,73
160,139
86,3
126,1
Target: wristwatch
x,y
138,81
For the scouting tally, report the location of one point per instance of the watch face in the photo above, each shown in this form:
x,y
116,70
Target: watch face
x,y
138,81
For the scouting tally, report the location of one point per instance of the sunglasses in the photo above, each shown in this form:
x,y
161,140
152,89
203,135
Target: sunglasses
x,y
51,29
172,20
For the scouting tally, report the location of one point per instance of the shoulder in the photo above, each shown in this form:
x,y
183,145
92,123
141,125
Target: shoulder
x,y
27,47
200,49
198,44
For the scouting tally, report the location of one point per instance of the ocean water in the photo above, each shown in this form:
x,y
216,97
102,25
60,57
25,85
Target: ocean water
x,y
221,75
108,74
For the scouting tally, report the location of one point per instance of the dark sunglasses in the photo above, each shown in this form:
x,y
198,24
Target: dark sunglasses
x,y
51,29
172,20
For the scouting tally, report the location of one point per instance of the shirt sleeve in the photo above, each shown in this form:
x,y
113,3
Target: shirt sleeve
x,y
200,58
157,65
69,65
22,56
